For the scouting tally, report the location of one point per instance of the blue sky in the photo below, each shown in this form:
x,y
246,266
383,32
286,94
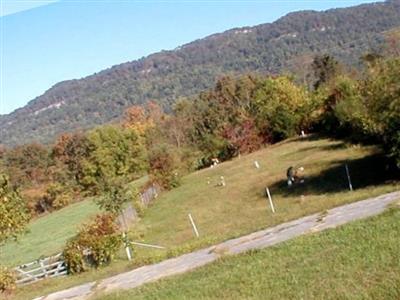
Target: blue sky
x,y
42,43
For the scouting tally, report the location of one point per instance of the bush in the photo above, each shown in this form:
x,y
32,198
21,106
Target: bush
x,y
61,201
7,280
55,197
94,246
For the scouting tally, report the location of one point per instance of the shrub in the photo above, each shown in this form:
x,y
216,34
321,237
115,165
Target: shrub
x,y
94,246
7,280
61,201
56,196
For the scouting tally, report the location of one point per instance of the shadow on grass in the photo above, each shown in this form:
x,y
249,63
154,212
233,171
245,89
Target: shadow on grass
x,y
368,171
310,137
331,147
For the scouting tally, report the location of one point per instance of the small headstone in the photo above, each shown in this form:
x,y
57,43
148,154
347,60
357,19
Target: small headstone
x,y
302,133
222,183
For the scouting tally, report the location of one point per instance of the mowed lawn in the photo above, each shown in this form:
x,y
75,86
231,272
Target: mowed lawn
x,y
356,261
47,235
241,206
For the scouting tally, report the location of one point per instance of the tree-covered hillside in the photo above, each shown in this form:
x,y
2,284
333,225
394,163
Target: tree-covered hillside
x,y
269,48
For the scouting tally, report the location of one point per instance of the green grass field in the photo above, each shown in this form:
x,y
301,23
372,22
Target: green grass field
x,y
240,207
357,261
47,235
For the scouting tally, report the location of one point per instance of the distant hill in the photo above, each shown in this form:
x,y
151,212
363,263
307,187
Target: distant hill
x,y
346,33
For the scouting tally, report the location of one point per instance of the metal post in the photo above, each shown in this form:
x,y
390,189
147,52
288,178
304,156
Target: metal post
x,y
270,199
348,178
127,249
193,225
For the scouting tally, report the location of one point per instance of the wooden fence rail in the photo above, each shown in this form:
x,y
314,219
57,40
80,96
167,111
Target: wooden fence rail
x,y
52,266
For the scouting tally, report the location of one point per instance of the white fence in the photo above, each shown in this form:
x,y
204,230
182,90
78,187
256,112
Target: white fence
x,y
52,266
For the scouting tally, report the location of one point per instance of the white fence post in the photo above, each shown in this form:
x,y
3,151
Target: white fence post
x,y
193,225
348,178
127,249
270,200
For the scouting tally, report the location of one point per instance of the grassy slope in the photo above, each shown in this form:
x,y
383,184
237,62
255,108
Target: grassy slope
x,y
356,261
241,207
47,234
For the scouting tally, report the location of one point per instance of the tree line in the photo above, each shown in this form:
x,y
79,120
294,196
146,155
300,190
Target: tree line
x,y
238,116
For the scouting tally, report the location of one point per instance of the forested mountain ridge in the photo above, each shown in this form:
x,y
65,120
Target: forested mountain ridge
x,y
165,76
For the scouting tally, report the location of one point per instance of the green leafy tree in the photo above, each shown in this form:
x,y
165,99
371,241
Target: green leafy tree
x,y
381,91
115,153
281,108
14,214
350,111
367,109
114,197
